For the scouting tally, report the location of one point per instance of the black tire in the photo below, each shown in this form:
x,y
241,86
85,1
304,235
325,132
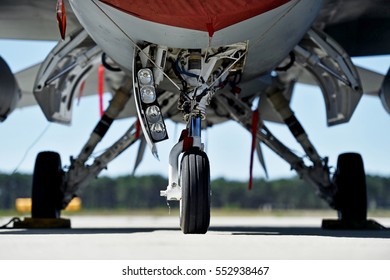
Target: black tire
x,y
46,186
351,195
195,184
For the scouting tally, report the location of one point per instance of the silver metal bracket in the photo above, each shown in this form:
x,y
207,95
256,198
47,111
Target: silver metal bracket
x,y
173,191
190,139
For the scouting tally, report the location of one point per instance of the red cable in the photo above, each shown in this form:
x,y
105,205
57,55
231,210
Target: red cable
x,y
81,92
255,124
137,129
101,88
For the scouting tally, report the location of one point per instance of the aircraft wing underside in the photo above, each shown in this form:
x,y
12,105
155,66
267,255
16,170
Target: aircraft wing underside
x,y
361,27
32,20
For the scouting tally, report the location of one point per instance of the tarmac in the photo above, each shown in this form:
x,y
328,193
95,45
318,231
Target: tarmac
x,y
228,238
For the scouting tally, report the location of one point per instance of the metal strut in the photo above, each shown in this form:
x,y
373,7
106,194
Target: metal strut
x,y
116,106
282,107
318,174
79,174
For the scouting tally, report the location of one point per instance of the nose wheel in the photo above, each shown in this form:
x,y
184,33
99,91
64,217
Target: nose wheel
x,y
195,185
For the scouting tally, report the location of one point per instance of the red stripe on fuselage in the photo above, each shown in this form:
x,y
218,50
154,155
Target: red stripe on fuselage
x,y
196,14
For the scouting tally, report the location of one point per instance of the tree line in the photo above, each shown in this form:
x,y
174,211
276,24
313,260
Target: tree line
x,y
143,192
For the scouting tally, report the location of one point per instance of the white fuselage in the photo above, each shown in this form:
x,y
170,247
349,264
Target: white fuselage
x,y
270,35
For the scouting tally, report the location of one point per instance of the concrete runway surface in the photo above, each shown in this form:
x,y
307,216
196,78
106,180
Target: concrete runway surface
x,y
229,238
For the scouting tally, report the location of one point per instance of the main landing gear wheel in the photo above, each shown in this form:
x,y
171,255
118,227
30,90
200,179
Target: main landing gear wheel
x,y
351,196
46,187
195,185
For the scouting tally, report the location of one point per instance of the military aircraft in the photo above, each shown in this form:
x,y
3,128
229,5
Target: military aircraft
x,y
199,63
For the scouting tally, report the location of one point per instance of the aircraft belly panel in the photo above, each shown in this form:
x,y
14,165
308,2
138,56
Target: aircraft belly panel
x,y
197,15
116,31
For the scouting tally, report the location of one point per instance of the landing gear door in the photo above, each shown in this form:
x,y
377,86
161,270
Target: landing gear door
x,y
61,76
335,73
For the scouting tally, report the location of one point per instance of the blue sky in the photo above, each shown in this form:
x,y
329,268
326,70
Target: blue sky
x,y
228,145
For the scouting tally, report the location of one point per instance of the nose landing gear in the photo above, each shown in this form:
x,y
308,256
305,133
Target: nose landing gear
x,y
192,186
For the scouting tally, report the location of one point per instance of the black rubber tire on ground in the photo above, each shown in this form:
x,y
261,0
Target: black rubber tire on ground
x,y
195,184
46,186
351,195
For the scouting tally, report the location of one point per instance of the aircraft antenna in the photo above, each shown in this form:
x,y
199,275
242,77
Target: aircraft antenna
x,y
30,147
